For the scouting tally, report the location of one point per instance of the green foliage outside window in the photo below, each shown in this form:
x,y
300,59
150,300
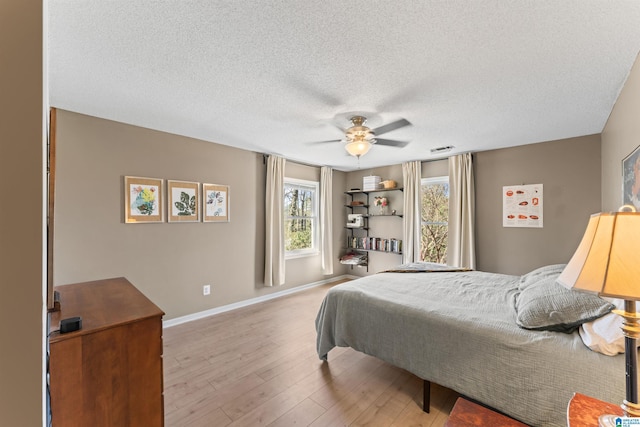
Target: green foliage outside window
x,y
435,219
298,205
297,235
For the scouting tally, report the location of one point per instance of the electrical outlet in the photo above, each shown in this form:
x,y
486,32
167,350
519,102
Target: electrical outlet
x,y
206,289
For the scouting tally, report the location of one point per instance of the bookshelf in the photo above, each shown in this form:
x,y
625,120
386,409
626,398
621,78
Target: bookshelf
x,y
361,210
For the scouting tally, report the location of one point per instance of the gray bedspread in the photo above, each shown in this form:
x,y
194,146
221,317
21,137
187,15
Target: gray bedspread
x,y
458,330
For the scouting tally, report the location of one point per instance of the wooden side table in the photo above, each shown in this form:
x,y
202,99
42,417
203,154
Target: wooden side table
x,y
583,411
469,414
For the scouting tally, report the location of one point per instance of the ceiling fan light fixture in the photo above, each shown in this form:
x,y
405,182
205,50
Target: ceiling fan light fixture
x,y
359,138
358,147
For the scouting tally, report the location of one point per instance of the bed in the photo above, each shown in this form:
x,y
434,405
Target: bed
x,y
509,342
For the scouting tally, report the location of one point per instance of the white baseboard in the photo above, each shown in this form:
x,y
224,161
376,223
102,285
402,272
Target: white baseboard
x,y
245,303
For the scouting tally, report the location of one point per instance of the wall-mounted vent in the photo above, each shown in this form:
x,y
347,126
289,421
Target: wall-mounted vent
x,y
441,149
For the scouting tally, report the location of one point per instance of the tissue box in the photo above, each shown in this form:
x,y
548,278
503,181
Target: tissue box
x,y
370,183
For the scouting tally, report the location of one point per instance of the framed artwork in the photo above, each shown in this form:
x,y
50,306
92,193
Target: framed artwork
x,y
631,179
183,201
522,206
215,203
143,200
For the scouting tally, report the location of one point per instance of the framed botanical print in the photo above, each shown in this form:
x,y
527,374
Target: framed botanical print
x,y
631,179
183,201
215,203
143,199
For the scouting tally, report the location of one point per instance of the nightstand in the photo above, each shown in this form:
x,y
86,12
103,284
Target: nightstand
x,y
584,411
469,414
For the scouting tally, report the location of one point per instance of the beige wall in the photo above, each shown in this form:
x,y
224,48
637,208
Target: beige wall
x,y
620,137
168,262
435,168
570,172
21,217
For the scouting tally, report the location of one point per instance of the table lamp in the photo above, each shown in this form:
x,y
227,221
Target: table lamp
x,y
607,262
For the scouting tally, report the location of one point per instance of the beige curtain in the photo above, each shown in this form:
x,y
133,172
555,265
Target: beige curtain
x,y
274,222
326,221
411,174
461,249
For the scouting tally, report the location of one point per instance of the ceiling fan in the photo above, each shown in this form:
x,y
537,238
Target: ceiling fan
x,y
359,138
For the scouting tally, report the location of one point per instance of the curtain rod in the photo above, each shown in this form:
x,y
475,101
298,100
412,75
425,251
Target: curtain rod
x,y
265,155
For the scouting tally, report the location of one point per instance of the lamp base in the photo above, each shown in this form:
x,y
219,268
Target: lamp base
x,y
631,409
607,420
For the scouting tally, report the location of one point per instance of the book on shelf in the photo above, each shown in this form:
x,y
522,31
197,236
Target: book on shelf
x,y
375,244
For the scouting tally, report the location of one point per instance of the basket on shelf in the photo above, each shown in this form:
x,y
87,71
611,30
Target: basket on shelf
x,y
389,184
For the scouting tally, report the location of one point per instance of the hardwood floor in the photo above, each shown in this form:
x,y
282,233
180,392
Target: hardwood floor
x,y
257,366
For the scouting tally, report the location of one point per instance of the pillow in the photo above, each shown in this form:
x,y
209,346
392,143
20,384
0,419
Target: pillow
x,y
604,335
539,274
545,305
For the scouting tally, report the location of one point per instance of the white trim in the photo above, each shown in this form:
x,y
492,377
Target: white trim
x,y
301,182
315,187
435,180
202,314
301,253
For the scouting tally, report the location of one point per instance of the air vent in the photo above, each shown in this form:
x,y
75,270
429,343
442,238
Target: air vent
x,y
441,149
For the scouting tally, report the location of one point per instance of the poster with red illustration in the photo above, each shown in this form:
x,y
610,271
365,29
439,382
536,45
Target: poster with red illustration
x,y
522,206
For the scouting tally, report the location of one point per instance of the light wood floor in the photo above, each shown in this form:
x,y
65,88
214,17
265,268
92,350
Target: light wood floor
x,y
257,366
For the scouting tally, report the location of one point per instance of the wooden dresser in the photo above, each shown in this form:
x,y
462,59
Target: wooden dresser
x,y
109,373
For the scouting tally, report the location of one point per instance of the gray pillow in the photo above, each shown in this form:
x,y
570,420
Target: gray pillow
x,y
539,274
545,305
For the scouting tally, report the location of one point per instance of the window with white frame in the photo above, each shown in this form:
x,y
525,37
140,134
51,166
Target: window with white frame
x,y
300,217
434,212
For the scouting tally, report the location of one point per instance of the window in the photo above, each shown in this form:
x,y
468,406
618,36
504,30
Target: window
x,y
300,217
435,219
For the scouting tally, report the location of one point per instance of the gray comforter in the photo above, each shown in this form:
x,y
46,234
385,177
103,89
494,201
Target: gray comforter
x,y
458,330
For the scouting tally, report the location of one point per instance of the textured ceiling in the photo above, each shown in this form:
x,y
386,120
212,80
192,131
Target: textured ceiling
x,y
274,76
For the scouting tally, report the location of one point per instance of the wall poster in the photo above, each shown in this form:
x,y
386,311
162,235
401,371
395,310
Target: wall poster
x,y
522,206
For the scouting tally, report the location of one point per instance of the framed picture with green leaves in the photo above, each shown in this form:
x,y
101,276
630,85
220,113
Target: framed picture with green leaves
x,y
183,201
143,200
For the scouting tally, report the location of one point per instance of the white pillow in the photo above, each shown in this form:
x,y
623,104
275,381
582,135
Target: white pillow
x,y
604,334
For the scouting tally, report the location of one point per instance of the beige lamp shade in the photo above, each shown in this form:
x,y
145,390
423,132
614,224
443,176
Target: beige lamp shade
x,y
358,147
607,260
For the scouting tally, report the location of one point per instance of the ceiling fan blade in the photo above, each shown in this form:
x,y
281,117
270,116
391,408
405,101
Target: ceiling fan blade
x,y
391,126
391,142
323,142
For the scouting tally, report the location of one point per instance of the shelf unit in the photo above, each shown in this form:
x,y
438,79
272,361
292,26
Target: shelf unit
x,y
357,249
